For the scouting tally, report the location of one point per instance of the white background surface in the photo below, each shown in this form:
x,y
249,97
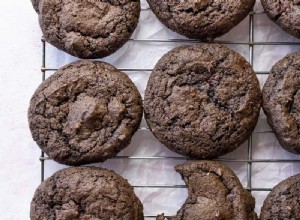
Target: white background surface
x,y
20,61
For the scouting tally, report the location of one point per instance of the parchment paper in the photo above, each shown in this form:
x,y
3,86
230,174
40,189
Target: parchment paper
x,y
160,171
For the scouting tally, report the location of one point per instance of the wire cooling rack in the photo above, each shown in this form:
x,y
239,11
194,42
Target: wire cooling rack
x,y
251,43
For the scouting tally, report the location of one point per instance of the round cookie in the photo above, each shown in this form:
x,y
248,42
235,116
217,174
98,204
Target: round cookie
x,y
281,101
88,28
285,13
283,201
202,101
205,19
214,192
85,193
84,113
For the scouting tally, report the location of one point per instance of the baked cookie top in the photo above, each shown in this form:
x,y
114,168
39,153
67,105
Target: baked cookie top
x,y
283,201
202,101
281,101
84,113
214,192
85,193
284,13
205,19
88,28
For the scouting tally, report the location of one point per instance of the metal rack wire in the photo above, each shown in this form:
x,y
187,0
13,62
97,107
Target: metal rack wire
x,y
251,43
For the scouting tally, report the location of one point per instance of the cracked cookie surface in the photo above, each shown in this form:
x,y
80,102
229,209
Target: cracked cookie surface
x,y
85,193
283,202
281,101
202,101
205,19
214,192
84,113
285,13
88,28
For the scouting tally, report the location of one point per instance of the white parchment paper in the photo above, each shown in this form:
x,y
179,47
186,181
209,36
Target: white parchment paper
x,y
144,55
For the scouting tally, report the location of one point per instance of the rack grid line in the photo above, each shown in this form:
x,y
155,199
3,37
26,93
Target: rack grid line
x,y
249,161
43,158
144,70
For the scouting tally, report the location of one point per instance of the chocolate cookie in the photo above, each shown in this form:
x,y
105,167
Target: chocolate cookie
x,y
214,192
86,112
35,4
202,101
88,28
283,202
205,19
85,193
281,101
284,13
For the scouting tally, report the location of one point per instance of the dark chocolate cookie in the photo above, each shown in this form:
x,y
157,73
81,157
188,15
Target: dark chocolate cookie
x,y
205,19
85,193
88,28
281,101
86,112
202,101
214,192
35,4
284,13
284,201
